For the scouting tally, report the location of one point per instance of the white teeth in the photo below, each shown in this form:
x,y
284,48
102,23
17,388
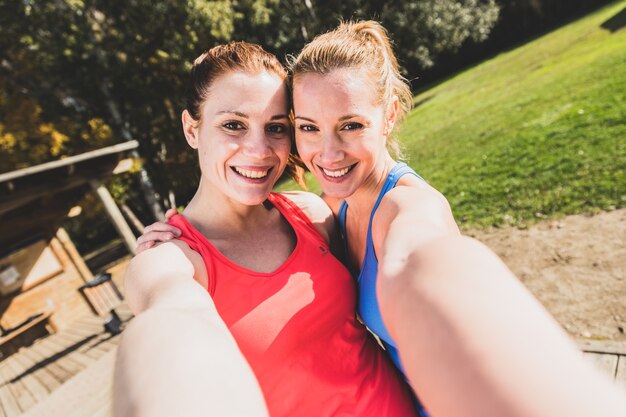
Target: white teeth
x,y
336,174
251,174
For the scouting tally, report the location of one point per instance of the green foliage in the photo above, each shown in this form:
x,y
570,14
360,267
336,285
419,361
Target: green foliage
x,y
444,26
422,30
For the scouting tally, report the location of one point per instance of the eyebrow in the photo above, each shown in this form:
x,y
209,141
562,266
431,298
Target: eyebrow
x,y
341,119
245,116
236,113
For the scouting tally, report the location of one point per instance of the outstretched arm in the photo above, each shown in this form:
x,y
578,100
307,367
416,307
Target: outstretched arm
x,y
473,341
177,357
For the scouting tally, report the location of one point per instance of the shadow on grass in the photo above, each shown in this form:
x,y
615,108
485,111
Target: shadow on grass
x,y
422,101
616,22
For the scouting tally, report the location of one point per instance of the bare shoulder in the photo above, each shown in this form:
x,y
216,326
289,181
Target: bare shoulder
x,y
415,196
311,204
418,209
157,267
315,209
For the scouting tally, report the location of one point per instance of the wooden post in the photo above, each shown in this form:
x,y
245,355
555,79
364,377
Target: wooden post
x,y
132,218
75,257
115,215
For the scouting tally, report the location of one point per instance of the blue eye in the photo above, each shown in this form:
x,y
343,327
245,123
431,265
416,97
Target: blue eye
x,y
352,126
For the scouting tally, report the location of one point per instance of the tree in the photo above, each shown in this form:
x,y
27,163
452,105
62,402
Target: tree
x,y
421,30
114,66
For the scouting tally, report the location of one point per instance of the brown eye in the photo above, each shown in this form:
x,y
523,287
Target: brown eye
x,y
233,126
277,128
307,128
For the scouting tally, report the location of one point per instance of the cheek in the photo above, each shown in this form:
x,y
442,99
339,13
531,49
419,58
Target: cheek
x,y
371,144
204,155
215,154
306,149
283,149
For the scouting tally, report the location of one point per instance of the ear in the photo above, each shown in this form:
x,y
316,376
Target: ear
x,y
190,129
391,116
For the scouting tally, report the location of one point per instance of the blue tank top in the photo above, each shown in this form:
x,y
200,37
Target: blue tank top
x,y
368,302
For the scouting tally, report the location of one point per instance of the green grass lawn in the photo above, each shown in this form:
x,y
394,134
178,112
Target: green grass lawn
x,y
535,132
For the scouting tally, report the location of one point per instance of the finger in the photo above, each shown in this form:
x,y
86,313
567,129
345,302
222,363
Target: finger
x,y
169,213
166,227
156,237
161,227
143,246
142,239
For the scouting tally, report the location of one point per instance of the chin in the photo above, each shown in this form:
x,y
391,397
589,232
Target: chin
x,y
336,192
248,197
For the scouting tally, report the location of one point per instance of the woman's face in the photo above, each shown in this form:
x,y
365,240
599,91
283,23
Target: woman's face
x,y
340,130
243,138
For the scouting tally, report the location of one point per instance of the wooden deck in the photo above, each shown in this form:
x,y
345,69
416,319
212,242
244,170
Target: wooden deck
x,y
609,357
31,375
70,374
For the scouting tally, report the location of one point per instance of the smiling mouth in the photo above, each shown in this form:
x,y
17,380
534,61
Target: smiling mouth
x,y
254,174
337,173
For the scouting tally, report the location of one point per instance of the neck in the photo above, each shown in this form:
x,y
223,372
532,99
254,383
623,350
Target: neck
x,y
363,199
211,210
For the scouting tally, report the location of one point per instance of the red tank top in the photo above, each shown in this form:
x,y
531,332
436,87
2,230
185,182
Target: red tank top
x,y
298,330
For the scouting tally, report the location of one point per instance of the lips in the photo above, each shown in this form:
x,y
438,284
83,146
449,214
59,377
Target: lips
x,y
252,174
336,174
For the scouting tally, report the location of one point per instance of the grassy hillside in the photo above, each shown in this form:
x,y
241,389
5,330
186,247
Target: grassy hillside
x,y
535,132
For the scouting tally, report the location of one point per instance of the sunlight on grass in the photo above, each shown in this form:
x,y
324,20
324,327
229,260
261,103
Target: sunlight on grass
x,y
535,132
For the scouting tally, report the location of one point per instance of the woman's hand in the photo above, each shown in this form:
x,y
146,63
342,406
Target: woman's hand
x,y
157,232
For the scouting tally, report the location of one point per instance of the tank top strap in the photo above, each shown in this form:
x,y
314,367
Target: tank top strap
x,y
397,172
401,170
296,217
198,243
341,217
392,178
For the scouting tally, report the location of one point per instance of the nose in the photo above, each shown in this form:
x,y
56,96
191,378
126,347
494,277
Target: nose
x,y
332,150
257,145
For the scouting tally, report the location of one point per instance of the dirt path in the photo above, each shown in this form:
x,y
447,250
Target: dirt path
x,y
575,266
